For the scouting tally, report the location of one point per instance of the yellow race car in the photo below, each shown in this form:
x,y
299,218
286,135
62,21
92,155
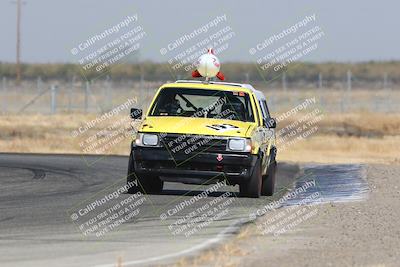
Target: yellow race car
x,y
203,132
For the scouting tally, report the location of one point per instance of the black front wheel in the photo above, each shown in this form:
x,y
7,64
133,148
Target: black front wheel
x,y
252,187
131,176
150,184
146,183
268,186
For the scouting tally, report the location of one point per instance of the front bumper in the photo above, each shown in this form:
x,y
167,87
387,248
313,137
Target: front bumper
x,y
200,167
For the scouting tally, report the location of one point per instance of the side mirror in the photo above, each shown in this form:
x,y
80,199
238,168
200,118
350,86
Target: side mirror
x,y
270,123
136,113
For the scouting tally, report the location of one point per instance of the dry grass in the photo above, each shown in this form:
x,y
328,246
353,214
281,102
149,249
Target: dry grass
x,y
363,124
224,255
345,149
50,134
349,138
365,137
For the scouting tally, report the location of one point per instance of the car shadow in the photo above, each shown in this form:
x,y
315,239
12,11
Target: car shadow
x,y
176,192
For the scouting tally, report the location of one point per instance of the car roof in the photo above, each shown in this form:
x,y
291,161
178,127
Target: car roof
x,y
217,85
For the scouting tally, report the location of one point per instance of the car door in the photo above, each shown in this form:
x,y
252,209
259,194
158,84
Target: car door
x,y
266,134
271,131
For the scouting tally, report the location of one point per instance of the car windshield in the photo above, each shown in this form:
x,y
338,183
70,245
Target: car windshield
x,y
187,102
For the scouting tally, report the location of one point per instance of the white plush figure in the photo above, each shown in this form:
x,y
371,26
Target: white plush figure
x,y
208,66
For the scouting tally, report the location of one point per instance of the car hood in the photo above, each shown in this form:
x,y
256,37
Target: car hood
x,y
190,125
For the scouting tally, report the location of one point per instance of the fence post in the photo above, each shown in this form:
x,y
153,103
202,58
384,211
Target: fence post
x,y
4,87
145,94
108,94
321,95
388,89
71,88
320,80
53,99
348,95
284,82
39,84
385,80
348,80
87,97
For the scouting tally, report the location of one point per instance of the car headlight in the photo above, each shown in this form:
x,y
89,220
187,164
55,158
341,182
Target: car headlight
x,y
239,144
144,139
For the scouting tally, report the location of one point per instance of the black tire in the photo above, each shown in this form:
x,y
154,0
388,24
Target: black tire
x,y
131,176
146,184
252,188
150,184
268,186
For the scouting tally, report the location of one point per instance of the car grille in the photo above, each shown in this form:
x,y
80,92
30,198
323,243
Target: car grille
x,y
193,166
189,144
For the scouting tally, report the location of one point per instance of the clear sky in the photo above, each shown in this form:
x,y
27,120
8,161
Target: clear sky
x,y
353,30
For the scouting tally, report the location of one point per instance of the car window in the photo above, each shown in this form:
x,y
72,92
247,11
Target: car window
x,y
264,103
188,102
263,111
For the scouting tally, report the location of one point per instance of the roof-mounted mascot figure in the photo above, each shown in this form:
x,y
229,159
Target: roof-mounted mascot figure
x,y
208,66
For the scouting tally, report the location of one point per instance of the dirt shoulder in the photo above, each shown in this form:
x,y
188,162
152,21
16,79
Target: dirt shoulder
x,y
362,233
365,233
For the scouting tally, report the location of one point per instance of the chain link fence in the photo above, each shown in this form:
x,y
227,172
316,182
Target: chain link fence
x,y
79,96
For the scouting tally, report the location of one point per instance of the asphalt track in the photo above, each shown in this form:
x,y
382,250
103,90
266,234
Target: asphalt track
x,y
41,196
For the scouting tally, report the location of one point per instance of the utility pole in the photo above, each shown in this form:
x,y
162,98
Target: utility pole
x,y
18,43
18,67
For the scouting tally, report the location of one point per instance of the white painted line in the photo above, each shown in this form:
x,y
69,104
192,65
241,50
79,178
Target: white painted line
x,y
206,244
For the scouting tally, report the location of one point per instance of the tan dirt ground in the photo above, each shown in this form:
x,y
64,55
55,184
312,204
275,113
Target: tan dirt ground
x,y
364,233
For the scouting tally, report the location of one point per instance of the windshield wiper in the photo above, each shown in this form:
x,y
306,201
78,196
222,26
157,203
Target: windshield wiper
x,y
188,102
